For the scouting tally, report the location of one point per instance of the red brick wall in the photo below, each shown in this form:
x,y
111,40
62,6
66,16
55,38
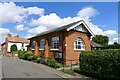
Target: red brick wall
x,y
72,54
69,52
47,37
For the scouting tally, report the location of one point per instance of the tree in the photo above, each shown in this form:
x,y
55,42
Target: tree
x,y
100,39
13,48
115,43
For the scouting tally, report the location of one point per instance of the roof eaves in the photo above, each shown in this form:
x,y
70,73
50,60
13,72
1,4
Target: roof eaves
x,y
94,44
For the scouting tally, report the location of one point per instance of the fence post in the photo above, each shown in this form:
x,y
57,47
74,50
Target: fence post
x,y
71,64
63,65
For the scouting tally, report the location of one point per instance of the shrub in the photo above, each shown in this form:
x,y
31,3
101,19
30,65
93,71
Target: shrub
x,y
35,57
30,58
38,59
53,63
13,48
27,54
42,54
102,64
21,54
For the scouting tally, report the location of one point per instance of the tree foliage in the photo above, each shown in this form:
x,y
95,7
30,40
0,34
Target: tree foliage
x,y
100,39
112,46
13,48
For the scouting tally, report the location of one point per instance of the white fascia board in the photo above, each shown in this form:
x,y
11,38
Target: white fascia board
x,y
81,22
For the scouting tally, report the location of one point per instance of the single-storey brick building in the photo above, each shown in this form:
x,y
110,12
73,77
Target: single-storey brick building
x,y
65,42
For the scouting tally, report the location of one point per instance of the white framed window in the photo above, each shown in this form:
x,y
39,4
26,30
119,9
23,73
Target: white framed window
x,y
33,44
42,44
55,43
79,44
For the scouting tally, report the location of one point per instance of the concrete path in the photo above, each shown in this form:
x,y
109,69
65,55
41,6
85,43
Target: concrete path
x,y
69,67
17,68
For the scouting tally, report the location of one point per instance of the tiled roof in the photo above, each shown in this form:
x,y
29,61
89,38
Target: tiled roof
x,y
3,43
18,39
94,44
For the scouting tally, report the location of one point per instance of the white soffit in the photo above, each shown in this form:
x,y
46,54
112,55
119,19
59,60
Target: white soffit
x,y
81,22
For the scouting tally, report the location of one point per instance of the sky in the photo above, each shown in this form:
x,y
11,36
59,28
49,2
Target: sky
x,y
30,18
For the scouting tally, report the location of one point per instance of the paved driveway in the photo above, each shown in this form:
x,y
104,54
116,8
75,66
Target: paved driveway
x,y
16,68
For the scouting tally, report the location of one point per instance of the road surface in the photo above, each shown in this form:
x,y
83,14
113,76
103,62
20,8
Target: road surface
x,y
16,68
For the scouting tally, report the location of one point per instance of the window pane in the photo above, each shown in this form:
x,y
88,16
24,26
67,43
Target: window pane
x,y
42,44
79,44
55,43
33,44
79,47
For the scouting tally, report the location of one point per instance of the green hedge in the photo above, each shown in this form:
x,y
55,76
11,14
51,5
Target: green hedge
x,y
112,46
102,64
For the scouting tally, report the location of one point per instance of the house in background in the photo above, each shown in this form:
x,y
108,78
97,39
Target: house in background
x,y
95,46
11,40
64,43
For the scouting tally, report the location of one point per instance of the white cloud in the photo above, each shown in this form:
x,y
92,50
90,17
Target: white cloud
x,y
110,32
50,21
95,28
11,13
35,10
116,39
53,20
47,20
20,27
87,13
28,36
98,31
37,30
3,33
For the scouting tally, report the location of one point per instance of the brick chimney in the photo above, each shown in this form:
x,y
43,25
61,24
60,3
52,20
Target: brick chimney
x,y
17,36
9,35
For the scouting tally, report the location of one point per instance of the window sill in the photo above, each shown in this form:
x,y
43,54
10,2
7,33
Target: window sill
x,y
41,49
54,49
79,49
32,49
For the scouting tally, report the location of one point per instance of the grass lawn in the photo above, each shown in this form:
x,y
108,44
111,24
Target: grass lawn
x,y
72,72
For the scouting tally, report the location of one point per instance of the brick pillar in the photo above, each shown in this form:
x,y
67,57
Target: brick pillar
x,y
46,54
36,49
